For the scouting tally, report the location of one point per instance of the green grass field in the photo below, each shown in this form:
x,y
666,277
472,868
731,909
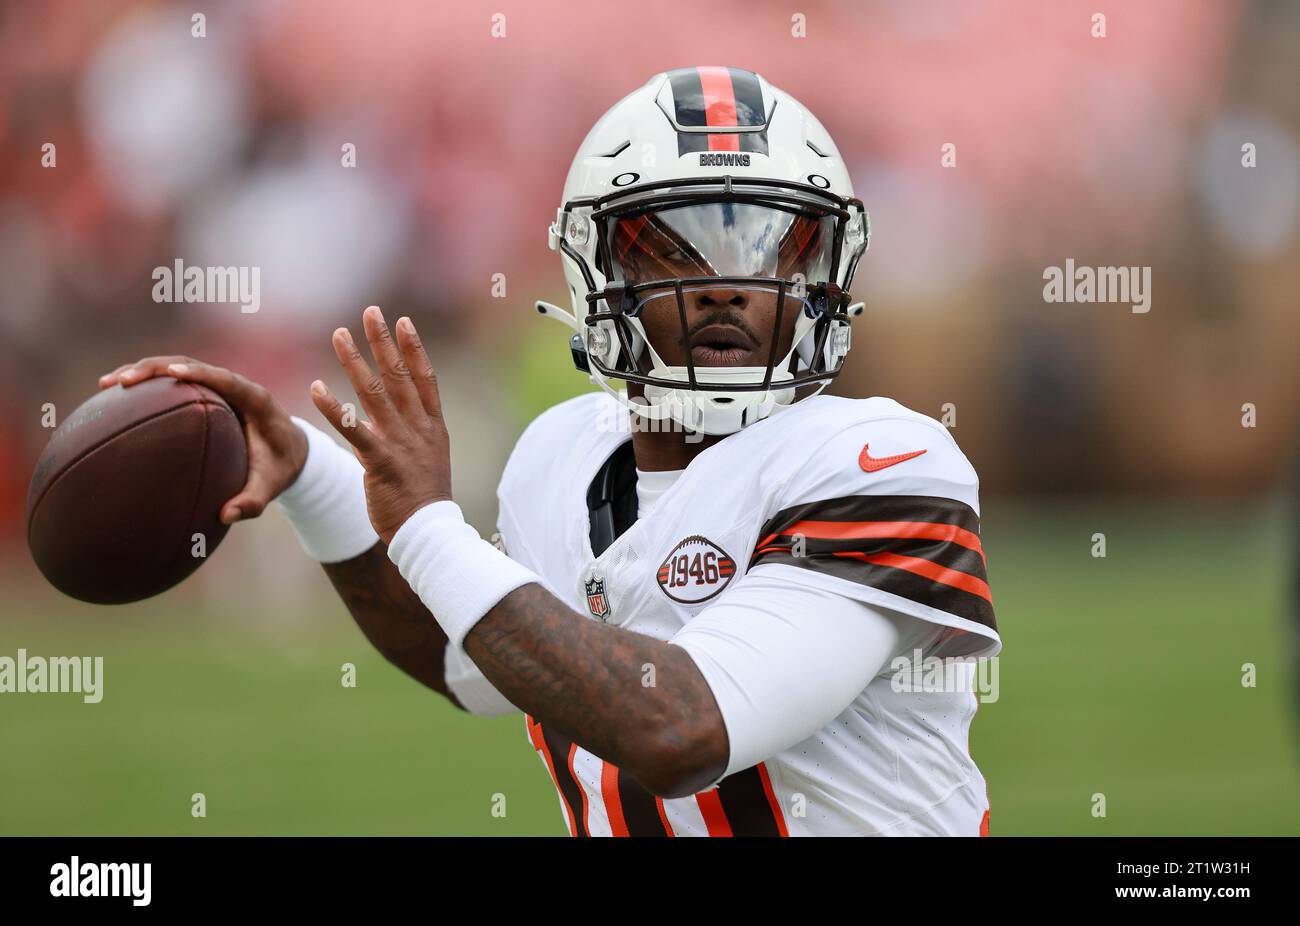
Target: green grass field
x,y
1120,676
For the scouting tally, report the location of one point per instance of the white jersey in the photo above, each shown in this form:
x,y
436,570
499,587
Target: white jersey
x,y
862,498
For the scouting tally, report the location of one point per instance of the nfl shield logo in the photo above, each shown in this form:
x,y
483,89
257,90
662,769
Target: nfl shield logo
x,y
596,600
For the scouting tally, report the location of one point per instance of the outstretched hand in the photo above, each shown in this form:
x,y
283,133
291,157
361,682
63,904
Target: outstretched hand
x,y
404,445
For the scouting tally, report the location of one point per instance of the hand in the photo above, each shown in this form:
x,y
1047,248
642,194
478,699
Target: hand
x,y
277,449
404,446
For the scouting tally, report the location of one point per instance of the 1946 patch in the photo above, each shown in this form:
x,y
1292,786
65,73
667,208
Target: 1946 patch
x,y
695,570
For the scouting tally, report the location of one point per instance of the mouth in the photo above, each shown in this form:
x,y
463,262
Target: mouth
x,y
721,346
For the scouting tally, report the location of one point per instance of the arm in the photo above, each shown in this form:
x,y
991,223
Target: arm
x,y
540,655
391,616
326,505
770,663
319,486
763,669
588,679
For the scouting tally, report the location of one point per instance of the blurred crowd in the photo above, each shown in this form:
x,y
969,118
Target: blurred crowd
x,y
132,135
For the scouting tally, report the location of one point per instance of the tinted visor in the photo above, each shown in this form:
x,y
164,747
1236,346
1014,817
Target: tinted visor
x,y
721,239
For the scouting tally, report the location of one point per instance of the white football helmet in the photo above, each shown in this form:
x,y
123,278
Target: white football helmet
x,y
704,178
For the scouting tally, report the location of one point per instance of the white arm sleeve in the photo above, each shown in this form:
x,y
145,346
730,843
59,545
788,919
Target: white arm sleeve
x,y
326,505
784,659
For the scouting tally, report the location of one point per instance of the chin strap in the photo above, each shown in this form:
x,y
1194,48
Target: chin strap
x,y
715,413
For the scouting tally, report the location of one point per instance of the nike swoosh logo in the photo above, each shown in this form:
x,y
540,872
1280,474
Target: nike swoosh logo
x,y
872,464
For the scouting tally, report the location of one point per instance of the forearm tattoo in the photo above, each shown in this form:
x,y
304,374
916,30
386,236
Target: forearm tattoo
x,y
605,688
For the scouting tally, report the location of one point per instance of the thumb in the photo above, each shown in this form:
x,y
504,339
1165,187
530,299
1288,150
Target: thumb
x,y
250,502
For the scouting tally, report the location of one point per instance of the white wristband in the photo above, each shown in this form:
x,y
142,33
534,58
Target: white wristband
x,y
457,574
327,503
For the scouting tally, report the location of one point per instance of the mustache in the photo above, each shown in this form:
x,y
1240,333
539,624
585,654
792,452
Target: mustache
x,y
730,318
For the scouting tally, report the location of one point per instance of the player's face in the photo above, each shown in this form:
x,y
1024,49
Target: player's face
x,y
727,324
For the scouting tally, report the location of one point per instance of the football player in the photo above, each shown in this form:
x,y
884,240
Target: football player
x,y
713,589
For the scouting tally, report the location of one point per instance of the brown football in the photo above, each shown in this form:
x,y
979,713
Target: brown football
x,y
126,483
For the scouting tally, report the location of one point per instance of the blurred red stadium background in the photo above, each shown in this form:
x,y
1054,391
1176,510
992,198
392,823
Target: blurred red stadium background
x,y
225,149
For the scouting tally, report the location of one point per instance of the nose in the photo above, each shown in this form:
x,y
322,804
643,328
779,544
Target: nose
x,y
715,297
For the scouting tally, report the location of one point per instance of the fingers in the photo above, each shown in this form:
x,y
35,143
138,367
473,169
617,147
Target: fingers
x,y
241,392
128,374
392,364
417,361
109,380
369,387
354,432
